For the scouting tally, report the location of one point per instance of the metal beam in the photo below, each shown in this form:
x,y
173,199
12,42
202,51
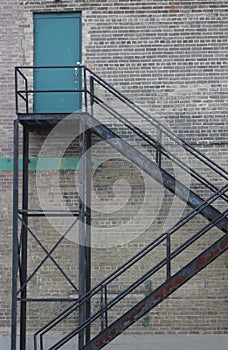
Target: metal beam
x,y
82,235
158,295
88,141
24,239
151,168
15,240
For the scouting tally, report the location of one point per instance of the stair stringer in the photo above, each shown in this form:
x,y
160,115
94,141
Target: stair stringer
x,y
158,295
157,173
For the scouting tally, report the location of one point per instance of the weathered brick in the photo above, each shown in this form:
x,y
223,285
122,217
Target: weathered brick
x,y
169,57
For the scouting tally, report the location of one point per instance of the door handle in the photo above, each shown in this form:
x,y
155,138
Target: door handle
x,y
76,72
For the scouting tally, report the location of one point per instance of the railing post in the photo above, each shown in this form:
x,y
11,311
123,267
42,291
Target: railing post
x,y
27,95
147,292
85,88
24,234
102,307
168,253
15,240
106,302
88,135
158,147
16,88
82,238
91,93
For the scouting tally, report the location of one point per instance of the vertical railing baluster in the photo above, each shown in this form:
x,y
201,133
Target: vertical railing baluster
x,y
15,238
158,146
41,343
34,343
82,243
91,93
168,253
85,89
102,307
106,302
88,184
16,88
26,96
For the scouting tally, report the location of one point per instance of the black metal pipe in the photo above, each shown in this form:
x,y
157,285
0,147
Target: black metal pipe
x,y
18,69
159,174
58,212
30,91
91,85
85,89
51,215
151,246
165,130
160,150
168,253
158,147
48,255
64,340
199,234
15,239
82,244
106,303
27,96
51,67
16,92
24,238
88,166
19,94
143,278
135,259
141,112
102,308
105,84
86,252
48,300
159,294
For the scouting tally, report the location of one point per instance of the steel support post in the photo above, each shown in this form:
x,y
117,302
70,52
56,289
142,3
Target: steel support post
x,y
24,238
88,227
15,239
82,235
158,148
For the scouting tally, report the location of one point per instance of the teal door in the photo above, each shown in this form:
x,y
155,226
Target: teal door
x,y
57,42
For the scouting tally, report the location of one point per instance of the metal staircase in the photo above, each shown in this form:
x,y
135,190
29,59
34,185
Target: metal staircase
x,y
206,195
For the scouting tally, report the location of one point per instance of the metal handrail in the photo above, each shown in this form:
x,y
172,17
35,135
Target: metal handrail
x,y
138,282
152,120
159,240
196,153
146,137
161,151
19,92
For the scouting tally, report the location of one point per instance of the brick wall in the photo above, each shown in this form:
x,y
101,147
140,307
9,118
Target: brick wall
x,y
170,58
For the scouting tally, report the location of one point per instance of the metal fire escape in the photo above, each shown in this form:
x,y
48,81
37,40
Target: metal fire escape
x,y
212,206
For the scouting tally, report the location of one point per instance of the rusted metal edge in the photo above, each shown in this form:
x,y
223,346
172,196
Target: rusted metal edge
x,y
157,296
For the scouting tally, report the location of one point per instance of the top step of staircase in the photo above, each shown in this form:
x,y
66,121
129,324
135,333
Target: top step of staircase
x,y
46,121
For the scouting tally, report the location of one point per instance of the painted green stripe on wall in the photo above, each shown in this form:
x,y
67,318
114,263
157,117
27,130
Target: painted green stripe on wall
x,y
6,164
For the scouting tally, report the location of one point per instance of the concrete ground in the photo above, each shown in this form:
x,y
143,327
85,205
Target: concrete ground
x,y
145,342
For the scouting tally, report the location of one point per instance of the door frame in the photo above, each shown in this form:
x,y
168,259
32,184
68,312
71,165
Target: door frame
x,y
62,14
